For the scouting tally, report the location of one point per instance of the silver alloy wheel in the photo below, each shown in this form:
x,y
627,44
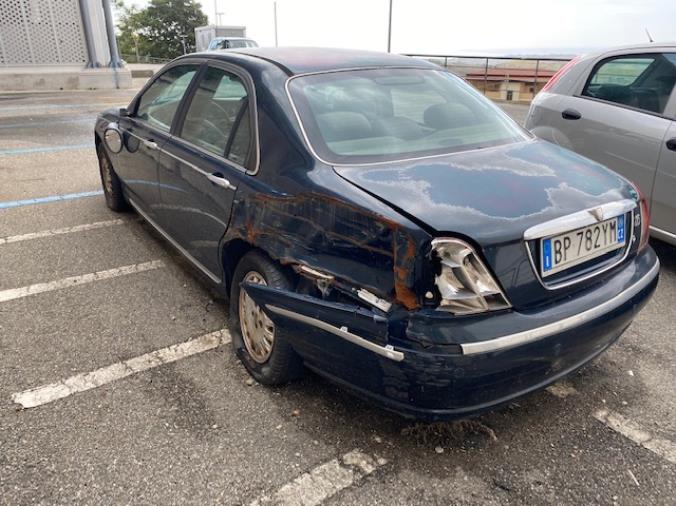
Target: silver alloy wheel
x,y
107,175
258,331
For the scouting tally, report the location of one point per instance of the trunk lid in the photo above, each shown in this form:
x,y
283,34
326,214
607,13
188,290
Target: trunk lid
x,y
491,195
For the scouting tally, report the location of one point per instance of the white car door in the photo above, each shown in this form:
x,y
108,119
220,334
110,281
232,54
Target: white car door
x,y
663,210
616,117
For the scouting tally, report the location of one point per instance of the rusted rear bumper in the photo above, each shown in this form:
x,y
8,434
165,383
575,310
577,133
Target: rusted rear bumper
x,y
433,366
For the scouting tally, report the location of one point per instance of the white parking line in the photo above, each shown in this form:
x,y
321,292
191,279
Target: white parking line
x,y
324,481
25,291
86,381
637,434
60,231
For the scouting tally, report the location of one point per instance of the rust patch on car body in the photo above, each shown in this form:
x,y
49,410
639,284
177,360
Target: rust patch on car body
x,y
327,233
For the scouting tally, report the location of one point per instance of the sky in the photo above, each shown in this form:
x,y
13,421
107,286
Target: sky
x,y
452,26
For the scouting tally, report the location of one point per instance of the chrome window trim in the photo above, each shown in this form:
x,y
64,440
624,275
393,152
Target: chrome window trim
x,y
175,244
528,137
383,351
571,322
572,222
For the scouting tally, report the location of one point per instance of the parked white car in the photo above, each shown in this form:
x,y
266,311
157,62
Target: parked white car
x,y
618,108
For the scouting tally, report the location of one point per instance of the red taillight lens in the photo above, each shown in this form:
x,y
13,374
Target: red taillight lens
x,y
645,218
560,73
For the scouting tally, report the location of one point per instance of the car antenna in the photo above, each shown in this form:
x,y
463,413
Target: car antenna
x,y
649,36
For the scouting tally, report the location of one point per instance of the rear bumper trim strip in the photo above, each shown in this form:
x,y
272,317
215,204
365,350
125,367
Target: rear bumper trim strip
x,y
528,336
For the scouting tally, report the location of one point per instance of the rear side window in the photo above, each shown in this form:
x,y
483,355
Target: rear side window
x,y
642,82
377,115
159,102
217,119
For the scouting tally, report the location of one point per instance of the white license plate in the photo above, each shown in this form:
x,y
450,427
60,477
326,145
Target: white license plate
x,y
562,251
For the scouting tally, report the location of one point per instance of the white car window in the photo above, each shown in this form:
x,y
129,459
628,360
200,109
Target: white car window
x,y
642,82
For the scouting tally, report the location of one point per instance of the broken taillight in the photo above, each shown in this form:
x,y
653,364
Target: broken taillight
x,y
644,216
464,283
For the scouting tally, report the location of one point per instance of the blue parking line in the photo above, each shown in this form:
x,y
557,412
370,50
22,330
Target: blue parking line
x,y
43,149
45,200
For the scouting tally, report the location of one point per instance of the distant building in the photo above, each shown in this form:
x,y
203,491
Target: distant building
x,y
50,45
518,85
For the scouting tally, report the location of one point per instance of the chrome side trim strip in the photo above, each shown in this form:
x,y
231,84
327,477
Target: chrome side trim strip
x,y
528,336
384,351
180,248
662,234
579,219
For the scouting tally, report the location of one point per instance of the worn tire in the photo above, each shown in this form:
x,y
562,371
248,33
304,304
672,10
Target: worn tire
x,y
283,364
112,186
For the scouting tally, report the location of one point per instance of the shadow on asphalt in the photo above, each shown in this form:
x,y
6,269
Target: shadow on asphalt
x,y
666,253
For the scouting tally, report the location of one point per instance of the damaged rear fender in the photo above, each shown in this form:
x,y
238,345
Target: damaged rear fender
x,y
315,324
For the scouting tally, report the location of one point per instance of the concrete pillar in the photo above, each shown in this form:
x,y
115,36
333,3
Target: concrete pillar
x,y
92,61
97,21
110,30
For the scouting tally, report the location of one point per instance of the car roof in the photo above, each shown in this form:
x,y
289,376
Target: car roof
x,y
648,47
304,60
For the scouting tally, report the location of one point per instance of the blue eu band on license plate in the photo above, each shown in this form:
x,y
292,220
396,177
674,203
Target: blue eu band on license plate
x,y
578,246
547,254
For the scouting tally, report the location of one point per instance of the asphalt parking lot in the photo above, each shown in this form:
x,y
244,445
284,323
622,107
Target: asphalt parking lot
x,y
144,402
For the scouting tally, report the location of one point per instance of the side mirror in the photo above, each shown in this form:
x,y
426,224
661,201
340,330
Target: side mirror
x,y
113,138
124,113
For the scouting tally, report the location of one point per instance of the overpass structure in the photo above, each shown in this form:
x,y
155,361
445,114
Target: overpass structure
x,y
59,44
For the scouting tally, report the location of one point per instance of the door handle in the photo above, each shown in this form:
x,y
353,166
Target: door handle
x,y
571,114
150,144
671,144
219,180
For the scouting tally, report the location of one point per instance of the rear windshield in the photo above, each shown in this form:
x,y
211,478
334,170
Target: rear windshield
x,y
377,115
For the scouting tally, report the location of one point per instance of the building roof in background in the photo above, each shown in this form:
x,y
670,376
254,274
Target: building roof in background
x,y
506,74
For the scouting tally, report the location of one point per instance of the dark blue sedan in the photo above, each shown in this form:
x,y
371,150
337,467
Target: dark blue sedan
x,y
373,218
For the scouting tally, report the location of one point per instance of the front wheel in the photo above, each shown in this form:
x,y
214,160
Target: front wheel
x,y
112,186
262,348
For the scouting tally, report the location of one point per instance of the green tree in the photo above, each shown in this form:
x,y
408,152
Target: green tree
x,y
156,29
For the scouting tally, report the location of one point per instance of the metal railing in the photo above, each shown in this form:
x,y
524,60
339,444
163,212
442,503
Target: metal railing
x,y
479,66
132,58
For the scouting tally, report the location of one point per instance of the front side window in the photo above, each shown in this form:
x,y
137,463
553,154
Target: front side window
x,y
218,112
642,82
387,114
159,102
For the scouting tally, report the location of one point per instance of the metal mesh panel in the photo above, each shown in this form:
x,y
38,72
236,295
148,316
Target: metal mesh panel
x,y
41,32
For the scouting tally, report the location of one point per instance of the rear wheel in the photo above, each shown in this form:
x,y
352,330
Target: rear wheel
x,y
112,186
263,348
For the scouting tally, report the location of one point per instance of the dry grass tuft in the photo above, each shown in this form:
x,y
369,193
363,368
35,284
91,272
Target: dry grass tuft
x,y
447,432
